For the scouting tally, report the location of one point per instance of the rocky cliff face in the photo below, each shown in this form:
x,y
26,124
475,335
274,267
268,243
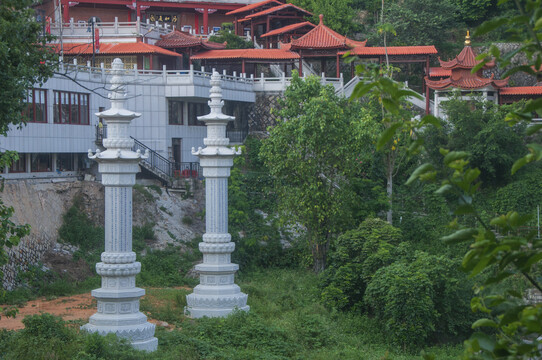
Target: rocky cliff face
x,y
42,204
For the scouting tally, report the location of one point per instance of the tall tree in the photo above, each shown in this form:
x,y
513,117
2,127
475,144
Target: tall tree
x,y
311,153
24,61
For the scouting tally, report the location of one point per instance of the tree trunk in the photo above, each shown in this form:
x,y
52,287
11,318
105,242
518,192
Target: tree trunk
x,y
319,254
389,189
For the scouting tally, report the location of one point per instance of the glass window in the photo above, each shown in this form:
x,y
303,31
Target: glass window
x,y
18,166
70,108
175,114
41,162
36,110
65,162
195,110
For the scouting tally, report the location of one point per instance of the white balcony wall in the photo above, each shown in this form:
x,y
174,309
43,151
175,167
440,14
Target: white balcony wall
x,y
147,94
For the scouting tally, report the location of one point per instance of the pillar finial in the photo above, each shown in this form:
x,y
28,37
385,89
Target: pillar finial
x,y
467,39
321,19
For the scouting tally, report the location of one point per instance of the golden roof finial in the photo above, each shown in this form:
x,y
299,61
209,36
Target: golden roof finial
x,y
467,39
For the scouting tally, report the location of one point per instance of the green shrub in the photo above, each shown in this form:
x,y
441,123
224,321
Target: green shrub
x,y
187,220
358,254
140,236
233,41
155,188
166,267
77,229
420,299
143,192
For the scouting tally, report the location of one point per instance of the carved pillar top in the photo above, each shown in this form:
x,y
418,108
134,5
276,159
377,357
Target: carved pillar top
x,y
216,123
118,141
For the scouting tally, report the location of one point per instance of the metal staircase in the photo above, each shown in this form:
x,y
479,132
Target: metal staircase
x,y
169,172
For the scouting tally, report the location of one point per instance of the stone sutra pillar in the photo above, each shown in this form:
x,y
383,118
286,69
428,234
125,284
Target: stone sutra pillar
x,y
118,298
216,295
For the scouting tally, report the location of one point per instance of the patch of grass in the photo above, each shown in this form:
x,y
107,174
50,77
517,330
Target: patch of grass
x,y
167,267
286,321
163,208
141,235
187,220
143,192
156,188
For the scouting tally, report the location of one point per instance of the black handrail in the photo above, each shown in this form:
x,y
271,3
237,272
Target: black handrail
x,y
160,164
156,162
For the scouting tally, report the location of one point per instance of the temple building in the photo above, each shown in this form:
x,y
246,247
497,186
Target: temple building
x,y
198,17
168,60
461,77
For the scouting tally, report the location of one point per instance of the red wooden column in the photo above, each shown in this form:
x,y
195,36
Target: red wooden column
x,y
206,20
338,66
196,22
300,66
66,11
243,67
252,30
236,26
138,11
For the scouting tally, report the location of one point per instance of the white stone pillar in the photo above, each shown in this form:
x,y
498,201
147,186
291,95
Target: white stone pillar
x,y
118,298
217,294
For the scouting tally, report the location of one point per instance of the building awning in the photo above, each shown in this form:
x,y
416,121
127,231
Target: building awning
x,y
252,7
180,39
391,50
289,28
283,7
521,90
137,48
246,54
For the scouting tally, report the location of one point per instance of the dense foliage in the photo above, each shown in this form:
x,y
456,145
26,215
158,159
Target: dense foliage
x,y
24,59
358,254
286,321
310,154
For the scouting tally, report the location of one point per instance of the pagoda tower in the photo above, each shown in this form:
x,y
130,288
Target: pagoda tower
x,y
461,77
118,298
217,295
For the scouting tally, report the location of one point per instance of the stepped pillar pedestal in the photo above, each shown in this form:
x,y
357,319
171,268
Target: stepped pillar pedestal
x,y
118,298
217,295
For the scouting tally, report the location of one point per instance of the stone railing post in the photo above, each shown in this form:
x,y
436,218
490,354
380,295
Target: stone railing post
x,y
118,298
217,294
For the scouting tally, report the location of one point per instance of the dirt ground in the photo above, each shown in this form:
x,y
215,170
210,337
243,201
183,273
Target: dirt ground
x,y
69,308
76,307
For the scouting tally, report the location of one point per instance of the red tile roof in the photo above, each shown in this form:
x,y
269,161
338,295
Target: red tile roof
x,y
179,39
464,79
461,73
439,72
392,50
247,54
251,7
278,8
465,60
288,28
521,90
322,37
114,49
